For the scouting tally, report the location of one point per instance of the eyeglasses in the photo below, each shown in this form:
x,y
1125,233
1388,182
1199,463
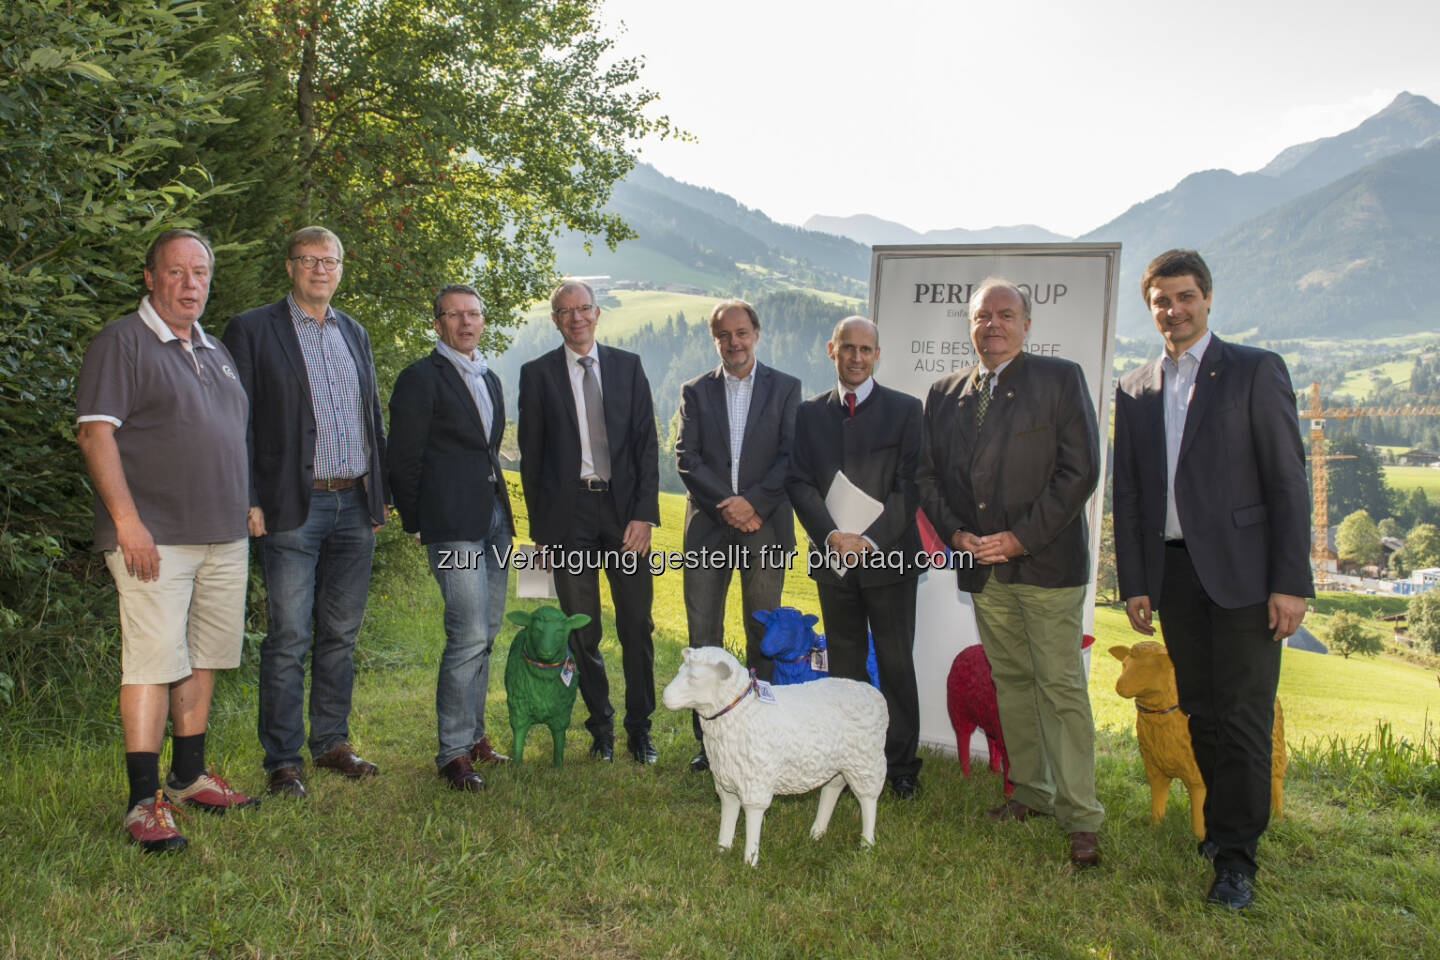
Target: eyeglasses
x,y
474,316
329,264
566,313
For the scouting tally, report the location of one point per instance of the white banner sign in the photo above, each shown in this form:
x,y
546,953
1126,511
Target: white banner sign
x,y
920,301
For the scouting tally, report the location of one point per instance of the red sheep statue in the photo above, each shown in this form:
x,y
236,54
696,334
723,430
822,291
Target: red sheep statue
x,y
970,700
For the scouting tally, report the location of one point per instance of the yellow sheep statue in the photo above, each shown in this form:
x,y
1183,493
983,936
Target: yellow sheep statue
x,y
1148,677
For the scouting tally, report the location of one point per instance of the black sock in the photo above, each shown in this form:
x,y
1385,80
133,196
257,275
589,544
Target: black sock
x,y
187,758
143,769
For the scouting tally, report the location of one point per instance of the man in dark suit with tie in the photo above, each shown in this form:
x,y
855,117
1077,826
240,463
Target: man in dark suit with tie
x,y
1212,531
866,578
736,427
589,462
1012,455
317,496
447,417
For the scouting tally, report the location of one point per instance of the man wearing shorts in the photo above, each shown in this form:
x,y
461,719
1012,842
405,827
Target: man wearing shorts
x,y
162,420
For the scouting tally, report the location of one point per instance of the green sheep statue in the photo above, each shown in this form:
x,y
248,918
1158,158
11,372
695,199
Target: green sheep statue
x,y
540,677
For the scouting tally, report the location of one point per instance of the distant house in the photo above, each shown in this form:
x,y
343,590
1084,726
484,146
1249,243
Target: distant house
x,y
1419,458
600,284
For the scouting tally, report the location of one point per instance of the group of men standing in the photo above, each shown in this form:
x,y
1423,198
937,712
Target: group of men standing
x,y
277,433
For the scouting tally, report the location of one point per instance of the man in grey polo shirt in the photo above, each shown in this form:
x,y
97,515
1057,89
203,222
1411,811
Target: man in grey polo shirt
x,y
162,426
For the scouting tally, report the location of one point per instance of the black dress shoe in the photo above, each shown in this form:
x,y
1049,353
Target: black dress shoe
x,y
643,750
1231,889
700,762
905,787
1207,848
602,750
286,782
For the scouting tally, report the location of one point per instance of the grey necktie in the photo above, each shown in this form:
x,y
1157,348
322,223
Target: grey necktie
x,y
595,420
982,398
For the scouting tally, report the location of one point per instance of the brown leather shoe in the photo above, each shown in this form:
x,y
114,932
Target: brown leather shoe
x,y
461,775
1084,849
342,759
1013,809
286,782
482,752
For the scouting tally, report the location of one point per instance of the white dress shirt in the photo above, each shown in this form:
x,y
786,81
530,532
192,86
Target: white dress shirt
x,y
577,390
1179,387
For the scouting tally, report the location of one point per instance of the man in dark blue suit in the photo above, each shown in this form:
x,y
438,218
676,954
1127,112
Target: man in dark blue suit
x,y
447,417
736,427
317,494
589,462
1212,531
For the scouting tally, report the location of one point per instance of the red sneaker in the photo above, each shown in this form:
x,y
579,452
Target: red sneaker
x,y
151,824
209,792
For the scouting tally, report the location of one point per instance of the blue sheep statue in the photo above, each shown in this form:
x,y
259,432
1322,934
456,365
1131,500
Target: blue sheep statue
x,y
790,639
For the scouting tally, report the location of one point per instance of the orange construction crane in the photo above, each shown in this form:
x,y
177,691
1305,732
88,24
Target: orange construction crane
x,y
1320,525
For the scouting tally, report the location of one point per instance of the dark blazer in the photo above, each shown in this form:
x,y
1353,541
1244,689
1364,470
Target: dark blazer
x,y
703,453
1030,469
440,457
878,449
550,442
1240,483
282,418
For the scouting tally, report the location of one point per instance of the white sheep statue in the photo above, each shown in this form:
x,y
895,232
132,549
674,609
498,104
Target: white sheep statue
x,y
826,734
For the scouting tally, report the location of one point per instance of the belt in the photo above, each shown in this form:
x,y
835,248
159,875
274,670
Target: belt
x,y
337,484
594,486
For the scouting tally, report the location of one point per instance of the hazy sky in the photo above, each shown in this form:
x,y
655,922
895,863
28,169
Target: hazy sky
x,y
958,114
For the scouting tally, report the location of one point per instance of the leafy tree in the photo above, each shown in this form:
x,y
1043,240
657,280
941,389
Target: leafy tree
x,y
443,141
1358,538
1349,634
1357,484
1422,546
1390,527
1422,620
94,101
1417,508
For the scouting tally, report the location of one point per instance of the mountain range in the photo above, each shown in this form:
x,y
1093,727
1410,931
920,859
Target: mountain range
x,y
1336,237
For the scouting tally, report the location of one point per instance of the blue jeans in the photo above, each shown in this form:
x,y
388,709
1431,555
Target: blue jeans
x,y
473,587
317,574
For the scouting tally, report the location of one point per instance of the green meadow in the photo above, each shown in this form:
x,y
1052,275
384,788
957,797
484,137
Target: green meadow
x,y
619,861
1406,479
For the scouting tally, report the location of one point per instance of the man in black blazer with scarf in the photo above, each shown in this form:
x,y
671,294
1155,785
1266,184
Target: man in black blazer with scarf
x,y
447,417
737,423
1212,531
317,496
871,434
589,462
1012,455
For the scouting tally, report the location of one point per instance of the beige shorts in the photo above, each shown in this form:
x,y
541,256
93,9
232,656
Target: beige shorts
x,y
192,616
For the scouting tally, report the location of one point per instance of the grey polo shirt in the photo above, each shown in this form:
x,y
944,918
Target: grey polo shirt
x,y
180,417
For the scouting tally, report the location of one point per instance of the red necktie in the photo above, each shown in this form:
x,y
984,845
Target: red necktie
x,y
850,403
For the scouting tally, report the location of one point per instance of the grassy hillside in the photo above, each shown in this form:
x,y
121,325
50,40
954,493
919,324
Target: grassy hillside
x,y
1406,479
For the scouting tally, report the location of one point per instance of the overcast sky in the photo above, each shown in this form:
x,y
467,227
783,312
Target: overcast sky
x,y
958,114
